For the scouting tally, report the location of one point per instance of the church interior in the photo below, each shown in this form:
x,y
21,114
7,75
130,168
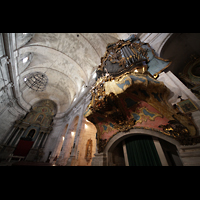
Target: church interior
x,y
99,99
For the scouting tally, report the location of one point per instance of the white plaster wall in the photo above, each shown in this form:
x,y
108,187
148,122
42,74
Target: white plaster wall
x,y
179,89
156,40
88,131
9,108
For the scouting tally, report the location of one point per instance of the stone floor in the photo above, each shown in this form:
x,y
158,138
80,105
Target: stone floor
x,y
24,163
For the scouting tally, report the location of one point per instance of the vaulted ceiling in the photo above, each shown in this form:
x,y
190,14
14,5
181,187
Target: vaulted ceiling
x,y
67,59
180,48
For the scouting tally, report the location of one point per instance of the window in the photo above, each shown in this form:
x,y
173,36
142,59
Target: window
x,y
25,59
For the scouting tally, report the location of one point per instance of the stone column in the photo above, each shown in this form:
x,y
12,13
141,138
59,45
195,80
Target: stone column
x,y
36,140
42,140
62,160
45,139
160,152
98,160
9,135
57,151
125,154
190,155
73,155
10,143
20,136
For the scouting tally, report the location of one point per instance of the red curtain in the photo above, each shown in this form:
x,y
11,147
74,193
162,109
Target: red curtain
x,y
23,147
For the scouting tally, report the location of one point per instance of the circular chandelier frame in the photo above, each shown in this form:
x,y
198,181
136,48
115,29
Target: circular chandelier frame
x,y
36,81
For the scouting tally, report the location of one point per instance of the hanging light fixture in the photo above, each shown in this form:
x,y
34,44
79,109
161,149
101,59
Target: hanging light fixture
x,y
36,81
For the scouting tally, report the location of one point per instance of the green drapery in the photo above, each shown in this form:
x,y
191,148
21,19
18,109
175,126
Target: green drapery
x,y
141,151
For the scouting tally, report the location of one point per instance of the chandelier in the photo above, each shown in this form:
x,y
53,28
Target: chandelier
x,y
36,81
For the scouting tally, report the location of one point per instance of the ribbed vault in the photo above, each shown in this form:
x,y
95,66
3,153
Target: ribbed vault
x,y
67,59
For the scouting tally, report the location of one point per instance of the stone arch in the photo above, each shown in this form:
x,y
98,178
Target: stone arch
x,y
164,38
70,136
119,137
61,140
179,48
74,123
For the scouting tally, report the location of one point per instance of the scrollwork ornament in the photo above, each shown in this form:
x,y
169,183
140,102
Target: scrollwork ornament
x,y
179,132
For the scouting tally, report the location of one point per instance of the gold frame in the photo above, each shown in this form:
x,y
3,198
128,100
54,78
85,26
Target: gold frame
x,y
89,142
180,106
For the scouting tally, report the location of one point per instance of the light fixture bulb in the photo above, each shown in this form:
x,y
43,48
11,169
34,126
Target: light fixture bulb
x,y
25,59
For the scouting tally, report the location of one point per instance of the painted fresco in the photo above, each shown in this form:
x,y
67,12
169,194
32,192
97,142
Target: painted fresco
x,y
145,115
